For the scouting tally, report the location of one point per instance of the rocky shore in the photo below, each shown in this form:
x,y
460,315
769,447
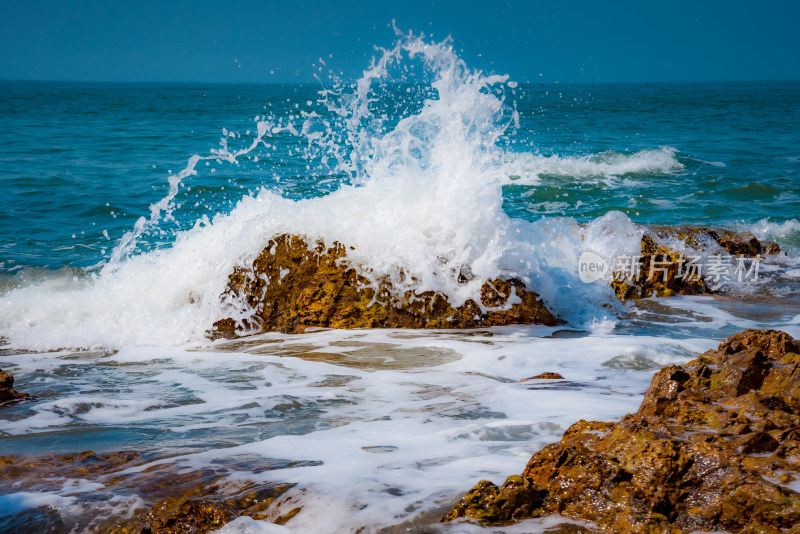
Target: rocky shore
x,y
714,446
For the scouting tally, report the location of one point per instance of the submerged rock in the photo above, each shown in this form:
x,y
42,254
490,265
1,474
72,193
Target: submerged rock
x,y
7,392
177,515
163,498
714,446
664,272
547,375
293,286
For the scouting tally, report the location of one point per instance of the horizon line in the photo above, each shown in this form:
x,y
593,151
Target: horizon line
x,y
309,83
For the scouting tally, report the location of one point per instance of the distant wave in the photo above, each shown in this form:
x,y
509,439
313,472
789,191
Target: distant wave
x,y
529,169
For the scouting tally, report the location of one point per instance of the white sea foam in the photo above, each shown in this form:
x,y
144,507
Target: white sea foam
x,y
248,525
387,435
389,427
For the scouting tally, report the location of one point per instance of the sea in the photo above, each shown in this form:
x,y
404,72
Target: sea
x,y
125,207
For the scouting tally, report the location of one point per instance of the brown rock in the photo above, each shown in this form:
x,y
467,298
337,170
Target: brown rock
x,y
746,244
664,272
714,446
293,287
735,243
513,500
7,392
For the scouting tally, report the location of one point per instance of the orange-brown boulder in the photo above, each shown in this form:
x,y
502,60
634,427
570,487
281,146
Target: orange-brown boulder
x,y
293,286
715,446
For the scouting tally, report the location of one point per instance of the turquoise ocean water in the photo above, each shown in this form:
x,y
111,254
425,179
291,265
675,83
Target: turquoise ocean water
x,y
79,159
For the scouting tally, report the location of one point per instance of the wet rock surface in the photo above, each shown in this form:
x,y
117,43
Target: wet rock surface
x,y
664,272
661,272
714,446
159,498
7,392
702,238
547,375
293,287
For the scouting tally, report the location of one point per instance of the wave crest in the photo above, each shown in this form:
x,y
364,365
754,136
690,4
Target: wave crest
x,y
531,169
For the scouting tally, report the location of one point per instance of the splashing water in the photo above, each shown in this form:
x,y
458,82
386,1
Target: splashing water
x,y
164,207
420,194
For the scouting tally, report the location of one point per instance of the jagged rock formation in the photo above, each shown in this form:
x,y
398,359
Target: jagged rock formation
x,y
7,392
664,272
714,446
293,287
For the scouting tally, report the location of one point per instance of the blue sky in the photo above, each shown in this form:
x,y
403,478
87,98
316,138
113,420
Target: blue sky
x,y
266,41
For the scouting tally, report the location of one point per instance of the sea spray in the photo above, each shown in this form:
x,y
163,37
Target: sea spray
x,y
421,203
